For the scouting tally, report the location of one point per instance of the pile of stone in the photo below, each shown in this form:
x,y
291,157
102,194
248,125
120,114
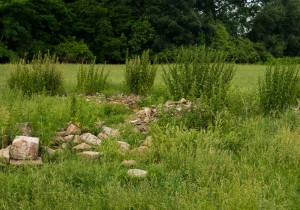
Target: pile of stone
x,y
144,117
24,150
84,142
131,101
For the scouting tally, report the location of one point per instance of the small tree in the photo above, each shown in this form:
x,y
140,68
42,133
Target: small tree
x,y
140,74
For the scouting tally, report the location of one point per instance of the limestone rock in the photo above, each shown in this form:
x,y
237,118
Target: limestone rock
x,y
90,154
24,148
65,145
4,156
129,163
102,136
73,130
82,147
68,138
49,151
137,173
111,132
60,133
90,139
35,162
77,139
123,146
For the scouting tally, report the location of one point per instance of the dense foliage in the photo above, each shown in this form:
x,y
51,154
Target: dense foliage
x,y
76,30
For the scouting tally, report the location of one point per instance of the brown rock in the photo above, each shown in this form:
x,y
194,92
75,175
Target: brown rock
x,y
35,162
182,101
123,146
68,138
77,139
91,139
65,145
49,151
24,148
73,130
82,147
102,136
129,163
60,133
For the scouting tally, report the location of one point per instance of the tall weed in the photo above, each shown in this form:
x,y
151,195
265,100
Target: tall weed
x,y
140,74
278,90
39,75
91,80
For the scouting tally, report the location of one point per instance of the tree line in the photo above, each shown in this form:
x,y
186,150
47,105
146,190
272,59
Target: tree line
x,y
248,30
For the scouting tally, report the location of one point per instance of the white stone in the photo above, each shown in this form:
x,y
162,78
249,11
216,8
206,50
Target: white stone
x,y
111,132
24,148
90,139
129,163
137,173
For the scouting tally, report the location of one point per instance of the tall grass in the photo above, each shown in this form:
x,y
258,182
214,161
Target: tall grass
x,y
39,75
91,79
140,74
279,89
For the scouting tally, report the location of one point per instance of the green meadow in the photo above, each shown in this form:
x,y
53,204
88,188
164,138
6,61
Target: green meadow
x,y
245,161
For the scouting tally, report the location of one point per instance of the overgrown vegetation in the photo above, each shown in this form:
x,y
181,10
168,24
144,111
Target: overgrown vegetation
x,y
39,75
279,89
90,79
140,74
220,151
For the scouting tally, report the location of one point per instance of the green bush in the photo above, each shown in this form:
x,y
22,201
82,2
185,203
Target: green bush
x,y
91,80
40,75
140,74
72,51
199,72
278,90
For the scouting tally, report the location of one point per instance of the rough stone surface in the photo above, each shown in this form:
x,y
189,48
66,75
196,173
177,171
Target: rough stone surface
x,y
68,138
90,154
24,148
111,132
123,146
73,130
35,162
102,136
82,147
90,139
4,156
77,139
129,163
61,133
65,145
137,173
49,151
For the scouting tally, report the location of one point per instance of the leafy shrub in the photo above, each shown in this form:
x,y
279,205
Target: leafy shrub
x,y
74,51
91,80
199,72
40,75
278,90
140,74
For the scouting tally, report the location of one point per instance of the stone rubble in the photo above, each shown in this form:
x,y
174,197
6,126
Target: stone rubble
x,y
137,173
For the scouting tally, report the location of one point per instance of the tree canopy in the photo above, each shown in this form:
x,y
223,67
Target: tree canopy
x,y
248,30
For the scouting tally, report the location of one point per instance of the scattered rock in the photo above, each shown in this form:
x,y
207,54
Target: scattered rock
x,y
111,132
137,122
102,136
4,156
49,151
35,162
91,139
65,145
60,134
24,147
77,139
123,146
90,154
182,101
68,138
73,130
82,147
129,163
137,173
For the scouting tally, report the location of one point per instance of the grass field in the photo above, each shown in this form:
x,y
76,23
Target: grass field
x,y
247,161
